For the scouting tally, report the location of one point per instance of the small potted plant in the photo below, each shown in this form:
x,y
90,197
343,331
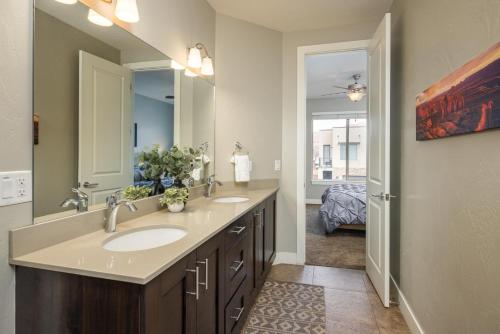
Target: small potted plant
x,y
133,193
175,198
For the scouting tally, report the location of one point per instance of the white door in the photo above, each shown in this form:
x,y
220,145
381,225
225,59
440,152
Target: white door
x,y
105,128
378,197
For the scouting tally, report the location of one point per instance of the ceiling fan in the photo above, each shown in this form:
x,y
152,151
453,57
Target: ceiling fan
x,y
354,92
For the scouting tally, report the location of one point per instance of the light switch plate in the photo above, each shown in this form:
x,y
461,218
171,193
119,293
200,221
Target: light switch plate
x,y
277,165
15,187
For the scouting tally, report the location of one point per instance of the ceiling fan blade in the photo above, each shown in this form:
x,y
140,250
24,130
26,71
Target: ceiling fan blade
x,y
329,94
340,87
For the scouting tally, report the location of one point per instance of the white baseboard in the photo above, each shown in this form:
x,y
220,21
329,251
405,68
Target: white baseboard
x,y
313,201
286,258
407,312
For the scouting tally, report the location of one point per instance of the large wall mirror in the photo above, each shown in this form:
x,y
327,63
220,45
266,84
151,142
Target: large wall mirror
x,y
101,97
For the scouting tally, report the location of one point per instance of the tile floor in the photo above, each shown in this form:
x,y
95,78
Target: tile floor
x,y
352,306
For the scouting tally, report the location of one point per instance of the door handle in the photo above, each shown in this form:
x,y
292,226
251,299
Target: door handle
x,y
197,285
206,273
237,318
238,229
238,267
379,196
90,185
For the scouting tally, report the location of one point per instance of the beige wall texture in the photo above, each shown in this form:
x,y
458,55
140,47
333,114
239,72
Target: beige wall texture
x,y
56,102
445,233
171,26
248,96
15,132
287,206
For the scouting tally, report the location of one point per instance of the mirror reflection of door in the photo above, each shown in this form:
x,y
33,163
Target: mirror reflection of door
x,y
105,128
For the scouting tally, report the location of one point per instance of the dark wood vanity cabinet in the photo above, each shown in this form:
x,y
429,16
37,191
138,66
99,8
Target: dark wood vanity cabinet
x,y
209,291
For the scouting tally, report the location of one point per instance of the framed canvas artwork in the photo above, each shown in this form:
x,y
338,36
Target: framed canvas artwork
x,y
465,101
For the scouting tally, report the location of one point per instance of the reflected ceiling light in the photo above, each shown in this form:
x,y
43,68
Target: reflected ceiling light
x,y
207,67
126,10
194,58
98,19
68,2
176,66
190,73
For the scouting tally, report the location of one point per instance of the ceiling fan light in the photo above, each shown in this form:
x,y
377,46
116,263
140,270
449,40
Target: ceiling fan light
x,y
194,58
126,10
176,66
189,73
98,19
355,96
67,2
207,67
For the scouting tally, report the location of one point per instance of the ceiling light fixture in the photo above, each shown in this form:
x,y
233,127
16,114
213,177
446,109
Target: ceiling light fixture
x,y
190,73
126,10
195,59
98,19
176,66
68,2
355,96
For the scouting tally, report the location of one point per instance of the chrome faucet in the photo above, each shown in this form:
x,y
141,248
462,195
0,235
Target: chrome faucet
x,y
210,183
81,202
113,203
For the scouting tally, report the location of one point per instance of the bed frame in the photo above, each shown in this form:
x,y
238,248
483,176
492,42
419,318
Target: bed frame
x,y
357,227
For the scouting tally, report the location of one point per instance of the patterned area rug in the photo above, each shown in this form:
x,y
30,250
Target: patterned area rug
x,y
284,307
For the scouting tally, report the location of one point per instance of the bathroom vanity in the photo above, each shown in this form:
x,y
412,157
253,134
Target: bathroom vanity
x,y
203,283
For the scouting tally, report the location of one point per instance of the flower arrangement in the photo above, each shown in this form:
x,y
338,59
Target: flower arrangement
x,y
175,198
179,163
133,193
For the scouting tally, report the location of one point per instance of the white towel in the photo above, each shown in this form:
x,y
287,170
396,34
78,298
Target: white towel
x,y
196,174
205,159
242,168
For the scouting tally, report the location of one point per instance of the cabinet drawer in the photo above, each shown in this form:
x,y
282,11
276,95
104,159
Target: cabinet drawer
x,y
237,310
236,231
236,265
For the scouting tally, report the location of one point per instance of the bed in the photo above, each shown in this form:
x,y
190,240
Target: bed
x,y
344,205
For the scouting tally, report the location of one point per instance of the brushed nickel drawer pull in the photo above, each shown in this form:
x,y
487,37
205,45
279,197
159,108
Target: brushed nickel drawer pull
x,y
205,263
238,267
238,230
197,289
237,318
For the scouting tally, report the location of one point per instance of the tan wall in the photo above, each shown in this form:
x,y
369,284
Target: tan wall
x,y
15,130
170,26
56,101
287,208
445,233
248,96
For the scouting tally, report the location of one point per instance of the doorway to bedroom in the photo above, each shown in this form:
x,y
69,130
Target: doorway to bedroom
x,y
336,153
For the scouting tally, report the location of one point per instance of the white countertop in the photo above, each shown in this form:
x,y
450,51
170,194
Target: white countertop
x,y
85,255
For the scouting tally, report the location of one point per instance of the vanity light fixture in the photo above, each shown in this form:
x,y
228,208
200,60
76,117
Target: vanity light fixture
x,y
98,19
126,10
68,2
195,59
176,66
190,73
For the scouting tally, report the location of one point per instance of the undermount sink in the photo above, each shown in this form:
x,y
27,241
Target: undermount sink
x,y
231,199
142,239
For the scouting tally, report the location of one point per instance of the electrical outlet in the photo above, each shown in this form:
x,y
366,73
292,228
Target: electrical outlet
x,y
277,165
15,187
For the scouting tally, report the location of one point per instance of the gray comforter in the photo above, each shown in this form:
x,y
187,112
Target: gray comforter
x,y
343,204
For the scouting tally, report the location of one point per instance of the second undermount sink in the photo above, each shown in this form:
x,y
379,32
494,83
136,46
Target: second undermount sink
x,y
231,199
142,239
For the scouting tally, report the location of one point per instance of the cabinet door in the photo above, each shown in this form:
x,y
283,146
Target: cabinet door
x,y
269,232
170,300
210,307
259,263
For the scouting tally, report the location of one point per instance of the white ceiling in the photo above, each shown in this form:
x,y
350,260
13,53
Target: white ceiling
x,y
329,69
297,15
155,84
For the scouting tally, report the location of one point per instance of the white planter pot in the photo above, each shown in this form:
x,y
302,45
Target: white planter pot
x,y
176,207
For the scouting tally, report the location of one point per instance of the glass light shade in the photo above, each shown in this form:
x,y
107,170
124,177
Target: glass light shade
x,y
68,2
189,73
207,67
355,96
126,10
194,58
98,19
176,66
